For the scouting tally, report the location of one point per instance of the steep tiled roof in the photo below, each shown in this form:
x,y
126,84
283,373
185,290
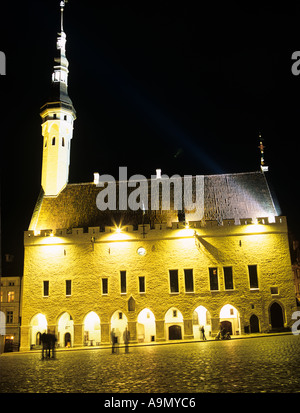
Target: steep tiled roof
x,y
226,196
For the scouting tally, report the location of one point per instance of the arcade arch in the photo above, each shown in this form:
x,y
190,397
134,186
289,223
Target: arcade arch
x,y
201,317
92,333
173,324
38,326
119,322
230,319
65,330
146,327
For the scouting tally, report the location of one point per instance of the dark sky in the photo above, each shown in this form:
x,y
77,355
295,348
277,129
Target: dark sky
x,y
181,87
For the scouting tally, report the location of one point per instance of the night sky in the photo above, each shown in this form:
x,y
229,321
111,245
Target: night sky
x,y
180,87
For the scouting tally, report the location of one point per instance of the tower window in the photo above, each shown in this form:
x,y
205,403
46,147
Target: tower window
x,y
54,116
213,279
68,287
46,288
45,142
189,281
65,117
228,278
63,141
123,282
142,284
104,286
253,278
53,140
174,287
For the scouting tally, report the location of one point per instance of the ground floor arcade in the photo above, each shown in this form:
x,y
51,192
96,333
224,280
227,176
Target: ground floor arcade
x,y
146,328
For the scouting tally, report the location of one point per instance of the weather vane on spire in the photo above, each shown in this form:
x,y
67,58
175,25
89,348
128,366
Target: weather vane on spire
x,y
62,5
261,146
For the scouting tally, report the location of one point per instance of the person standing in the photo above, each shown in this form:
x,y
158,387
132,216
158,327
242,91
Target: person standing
x,y
113,340
203,333
126,337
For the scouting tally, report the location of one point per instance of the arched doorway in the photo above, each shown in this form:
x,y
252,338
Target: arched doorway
x,y
276,316
65,330
227,326
92,334
175,332
254,324
68,342
201,317
146,327
230,319
174,319
119,323
38,326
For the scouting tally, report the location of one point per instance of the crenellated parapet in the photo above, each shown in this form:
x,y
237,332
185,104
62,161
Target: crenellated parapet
x,y
246,226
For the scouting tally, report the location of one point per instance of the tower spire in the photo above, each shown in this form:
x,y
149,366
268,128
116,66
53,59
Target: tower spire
x,y
58,115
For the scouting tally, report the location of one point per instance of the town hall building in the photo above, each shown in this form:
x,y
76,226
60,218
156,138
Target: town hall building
x,y
162,273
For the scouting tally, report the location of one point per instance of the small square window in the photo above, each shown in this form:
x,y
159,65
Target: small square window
x,y
274,290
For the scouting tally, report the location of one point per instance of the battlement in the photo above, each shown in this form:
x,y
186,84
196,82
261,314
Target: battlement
x,y
209,227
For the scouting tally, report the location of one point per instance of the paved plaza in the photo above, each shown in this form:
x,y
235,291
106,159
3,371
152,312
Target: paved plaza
x,y
264,364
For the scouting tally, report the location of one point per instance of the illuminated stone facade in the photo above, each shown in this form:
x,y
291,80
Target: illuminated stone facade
x,y
100,272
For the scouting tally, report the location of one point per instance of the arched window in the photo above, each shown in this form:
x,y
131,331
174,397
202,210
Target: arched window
x,y
45,142
63,141
53,140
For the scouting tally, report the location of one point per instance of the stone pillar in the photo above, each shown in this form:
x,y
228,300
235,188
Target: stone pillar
x,y
105,333
78,335
25,338
160,330
133,331
215,325
188,329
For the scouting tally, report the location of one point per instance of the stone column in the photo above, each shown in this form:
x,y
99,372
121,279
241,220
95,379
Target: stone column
x,y
215,325
160,330
132,328
188,329
105,333
25,338
78,335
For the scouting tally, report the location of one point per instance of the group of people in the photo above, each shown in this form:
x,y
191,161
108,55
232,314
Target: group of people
x,y
48,341
115,343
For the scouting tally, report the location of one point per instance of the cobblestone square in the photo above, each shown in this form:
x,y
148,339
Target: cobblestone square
x,y
260,365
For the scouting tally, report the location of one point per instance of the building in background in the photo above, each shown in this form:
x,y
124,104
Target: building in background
x,y
10,294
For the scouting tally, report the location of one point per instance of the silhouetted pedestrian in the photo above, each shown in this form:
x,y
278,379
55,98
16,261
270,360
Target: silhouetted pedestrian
x,y
126,338
203,333
113,340
44,340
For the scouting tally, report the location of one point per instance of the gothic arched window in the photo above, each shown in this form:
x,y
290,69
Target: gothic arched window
x,y
53,140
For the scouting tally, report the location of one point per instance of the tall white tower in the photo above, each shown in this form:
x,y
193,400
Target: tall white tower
x,y
58,115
